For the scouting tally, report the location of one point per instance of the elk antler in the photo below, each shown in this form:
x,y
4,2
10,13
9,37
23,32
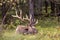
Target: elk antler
x,y
20,17
34,22
25,18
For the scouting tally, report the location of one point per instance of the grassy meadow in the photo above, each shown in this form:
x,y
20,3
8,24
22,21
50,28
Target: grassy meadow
x,y
47,30
49,33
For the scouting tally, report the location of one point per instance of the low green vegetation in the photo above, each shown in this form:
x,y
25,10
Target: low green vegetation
x,y
47,30
48,33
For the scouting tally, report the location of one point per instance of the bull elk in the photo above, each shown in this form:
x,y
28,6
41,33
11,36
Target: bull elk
x,y
28,29
25,30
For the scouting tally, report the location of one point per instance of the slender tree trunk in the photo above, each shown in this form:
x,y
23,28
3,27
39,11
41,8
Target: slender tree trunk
x,y
31,11
52,3
3,15
46,6
3,12
40,6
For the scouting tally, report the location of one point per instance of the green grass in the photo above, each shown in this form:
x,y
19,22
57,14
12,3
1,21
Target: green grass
x,y
48,29
48,33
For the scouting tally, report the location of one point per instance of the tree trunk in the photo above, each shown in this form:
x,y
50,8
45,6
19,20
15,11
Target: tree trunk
x,y
3,12
52,3
46,6
31,11
40,6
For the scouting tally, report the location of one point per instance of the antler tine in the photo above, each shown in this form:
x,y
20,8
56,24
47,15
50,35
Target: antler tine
x,y
35,22
26,18
16,15
20,13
